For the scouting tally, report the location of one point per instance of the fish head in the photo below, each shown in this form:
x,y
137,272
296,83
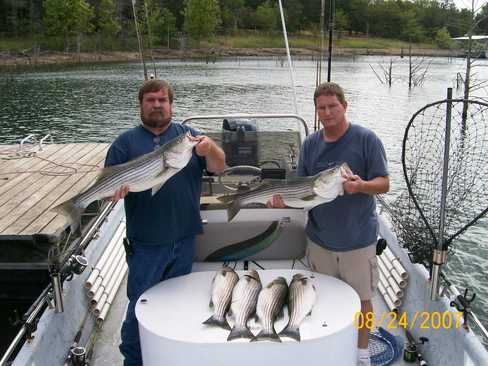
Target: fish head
x,y
297,277
180,151
252,273
328,183
226,270
280,281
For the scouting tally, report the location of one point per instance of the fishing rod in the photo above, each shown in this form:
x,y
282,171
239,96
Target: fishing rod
x,y
331,32
139,39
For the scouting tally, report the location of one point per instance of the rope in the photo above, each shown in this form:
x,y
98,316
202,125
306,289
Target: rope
x,y
48,172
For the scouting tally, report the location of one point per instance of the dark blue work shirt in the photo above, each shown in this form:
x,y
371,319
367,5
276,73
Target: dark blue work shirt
x,y
173,213
350,221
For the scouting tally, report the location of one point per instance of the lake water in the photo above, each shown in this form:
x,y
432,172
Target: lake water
x,y
97,102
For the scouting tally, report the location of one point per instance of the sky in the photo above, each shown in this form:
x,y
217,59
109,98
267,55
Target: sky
x,y
467,3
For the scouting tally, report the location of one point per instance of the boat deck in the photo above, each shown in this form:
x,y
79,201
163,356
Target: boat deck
x,y
106,351
33,181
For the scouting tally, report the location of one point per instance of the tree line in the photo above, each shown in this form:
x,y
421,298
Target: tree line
x,y
163,21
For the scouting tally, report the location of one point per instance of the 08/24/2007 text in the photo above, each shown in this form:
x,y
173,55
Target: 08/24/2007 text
x,y
417,319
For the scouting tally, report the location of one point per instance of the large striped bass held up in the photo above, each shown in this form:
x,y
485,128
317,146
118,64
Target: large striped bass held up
x,y
297,192
243,306
270,306
148,171
301,299
222,285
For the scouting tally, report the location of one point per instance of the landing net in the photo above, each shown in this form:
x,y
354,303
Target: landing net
x,y
416,214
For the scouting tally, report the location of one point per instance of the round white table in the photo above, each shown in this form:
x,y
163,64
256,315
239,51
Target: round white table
x,y
171,313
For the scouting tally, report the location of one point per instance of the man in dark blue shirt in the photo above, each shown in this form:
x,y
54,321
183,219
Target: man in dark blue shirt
x,y
343,233
161,229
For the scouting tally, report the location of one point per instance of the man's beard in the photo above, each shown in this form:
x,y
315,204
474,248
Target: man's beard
x,y
155,119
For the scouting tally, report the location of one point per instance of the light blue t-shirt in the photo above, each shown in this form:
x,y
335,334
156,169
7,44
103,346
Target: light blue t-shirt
x,y
350,221
173,213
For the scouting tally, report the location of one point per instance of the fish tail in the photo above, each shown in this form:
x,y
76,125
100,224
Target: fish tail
x,y
240,332
217,322
291,332
72,211
233,210
265,335
233,205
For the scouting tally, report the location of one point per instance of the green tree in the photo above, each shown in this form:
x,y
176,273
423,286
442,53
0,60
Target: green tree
x,y
411,30
341,22
168,26
294,15
266,17
443,38
202,17
151,21
68,18
106,23
232,12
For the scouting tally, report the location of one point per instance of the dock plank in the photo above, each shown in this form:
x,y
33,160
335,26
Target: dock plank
x,y
29,196
32,173
13,164
26,196
41,199
71,186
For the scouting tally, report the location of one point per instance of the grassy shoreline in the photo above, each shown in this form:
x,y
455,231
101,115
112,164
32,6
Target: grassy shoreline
x,y
20,51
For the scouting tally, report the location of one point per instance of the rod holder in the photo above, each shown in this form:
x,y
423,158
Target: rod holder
x,y
57,292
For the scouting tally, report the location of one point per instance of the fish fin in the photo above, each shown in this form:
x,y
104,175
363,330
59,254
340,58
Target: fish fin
x,y
233,205
309,198
227,198
266,336
72,212
156,188
290,332
233,210
216,322
240,332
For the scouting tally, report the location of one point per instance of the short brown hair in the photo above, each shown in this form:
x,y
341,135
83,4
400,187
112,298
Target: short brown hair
x,y
329,89
154,85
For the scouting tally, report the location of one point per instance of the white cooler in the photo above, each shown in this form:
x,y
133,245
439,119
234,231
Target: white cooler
x,y
171,313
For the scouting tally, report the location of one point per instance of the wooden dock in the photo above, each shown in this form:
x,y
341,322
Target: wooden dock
x,y
37,180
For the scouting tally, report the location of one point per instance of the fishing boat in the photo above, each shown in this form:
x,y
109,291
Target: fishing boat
x,y
61,326
420,317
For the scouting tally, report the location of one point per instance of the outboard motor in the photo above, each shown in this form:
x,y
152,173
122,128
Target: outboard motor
x,y
240,142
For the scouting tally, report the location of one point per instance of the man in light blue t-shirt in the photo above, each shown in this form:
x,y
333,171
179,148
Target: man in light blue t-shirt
x,y
343,233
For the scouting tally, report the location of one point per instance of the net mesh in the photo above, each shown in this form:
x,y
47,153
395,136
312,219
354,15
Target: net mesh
x,y
416,213
384,347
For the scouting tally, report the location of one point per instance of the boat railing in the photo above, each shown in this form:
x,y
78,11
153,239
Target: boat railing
x,y
33,139
48,297
299,119
451,292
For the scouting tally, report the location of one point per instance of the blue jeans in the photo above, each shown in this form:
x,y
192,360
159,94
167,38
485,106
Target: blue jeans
x,y
149,265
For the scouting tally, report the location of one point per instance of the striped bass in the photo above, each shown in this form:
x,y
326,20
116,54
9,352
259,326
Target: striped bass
x,y
222,285
147,171
297,192
270,305
243,306
301,299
